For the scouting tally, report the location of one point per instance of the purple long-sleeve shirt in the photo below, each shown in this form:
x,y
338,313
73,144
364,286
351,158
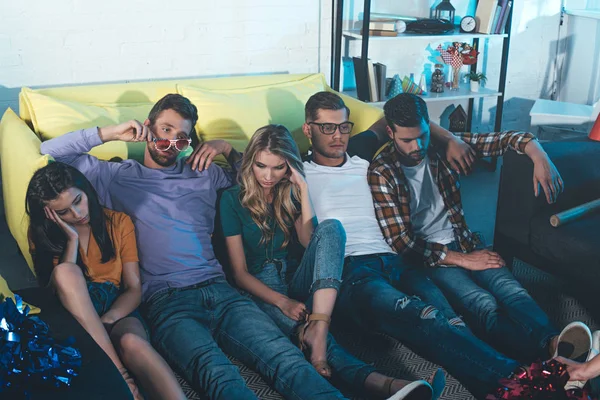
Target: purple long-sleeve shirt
x,y
173,209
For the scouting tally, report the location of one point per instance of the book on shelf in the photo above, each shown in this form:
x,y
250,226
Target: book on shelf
x,y
504,18
380,75
370,84
362,80
376,32
373,88
484,16
497,13
382,24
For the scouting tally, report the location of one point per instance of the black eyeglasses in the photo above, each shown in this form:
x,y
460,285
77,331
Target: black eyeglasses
x,y
329,128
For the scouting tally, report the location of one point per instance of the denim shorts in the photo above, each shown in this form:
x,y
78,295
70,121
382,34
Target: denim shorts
x,y
104,294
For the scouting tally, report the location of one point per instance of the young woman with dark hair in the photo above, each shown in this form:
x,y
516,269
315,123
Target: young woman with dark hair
x,y
88,255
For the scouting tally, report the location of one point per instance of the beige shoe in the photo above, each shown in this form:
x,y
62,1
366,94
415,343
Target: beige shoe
x,y
575,342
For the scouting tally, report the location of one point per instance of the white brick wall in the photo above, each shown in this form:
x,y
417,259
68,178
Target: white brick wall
x,y
61,42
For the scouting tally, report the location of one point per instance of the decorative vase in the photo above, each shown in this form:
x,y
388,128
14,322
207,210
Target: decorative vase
x,y
455,78
474,86
437,79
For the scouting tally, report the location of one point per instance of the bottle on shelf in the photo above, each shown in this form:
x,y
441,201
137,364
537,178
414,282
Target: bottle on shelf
x,y
438,79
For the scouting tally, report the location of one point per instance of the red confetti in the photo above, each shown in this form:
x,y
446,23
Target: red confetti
x,y
544,381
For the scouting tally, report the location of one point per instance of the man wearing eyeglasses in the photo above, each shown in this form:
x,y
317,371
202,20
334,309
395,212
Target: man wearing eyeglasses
x,y
379,291
191,308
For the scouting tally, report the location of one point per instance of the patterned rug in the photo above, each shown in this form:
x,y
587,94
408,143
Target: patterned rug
x,y
394,359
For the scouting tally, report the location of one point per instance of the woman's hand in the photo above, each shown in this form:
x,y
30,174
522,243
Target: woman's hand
x,y
69,230
296,177
293,309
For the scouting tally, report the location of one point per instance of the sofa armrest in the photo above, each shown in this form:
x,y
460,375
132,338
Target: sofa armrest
x,y
577,162
19,157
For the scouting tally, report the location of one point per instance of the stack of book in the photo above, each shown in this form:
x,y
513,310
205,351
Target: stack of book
x,y
370,86
382,27
492,15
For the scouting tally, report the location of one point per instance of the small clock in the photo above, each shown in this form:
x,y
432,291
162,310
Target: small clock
x,y
468,24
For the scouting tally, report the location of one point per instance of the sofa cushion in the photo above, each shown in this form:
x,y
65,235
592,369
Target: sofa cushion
x,y
20,157
6,292
234,115
52,117
573,247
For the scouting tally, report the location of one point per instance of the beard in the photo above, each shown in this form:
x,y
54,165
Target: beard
x,y
325,151
164,159
411,159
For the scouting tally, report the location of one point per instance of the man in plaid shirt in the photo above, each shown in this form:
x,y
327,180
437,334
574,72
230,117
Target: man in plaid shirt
x,y
417,200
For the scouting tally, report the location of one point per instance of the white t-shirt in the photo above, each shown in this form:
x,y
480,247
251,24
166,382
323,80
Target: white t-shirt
x,y
343,193
428,214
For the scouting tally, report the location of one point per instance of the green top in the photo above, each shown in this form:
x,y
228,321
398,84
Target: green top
x,y
236,220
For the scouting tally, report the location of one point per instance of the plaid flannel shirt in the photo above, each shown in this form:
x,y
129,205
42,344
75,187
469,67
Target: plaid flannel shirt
x,y
391,195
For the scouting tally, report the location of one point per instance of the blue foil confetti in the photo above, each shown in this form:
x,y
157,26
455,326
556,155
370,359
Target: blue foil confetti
x,y
29,357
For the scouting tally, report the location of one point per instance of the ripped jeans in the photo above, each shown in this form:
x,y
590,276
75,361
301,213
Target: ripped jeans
x,y
379,292
498,308
321,268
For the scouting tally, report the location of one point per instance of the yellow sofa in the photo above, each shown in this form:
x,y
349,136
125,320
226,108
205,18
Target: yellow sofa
x,y
230,108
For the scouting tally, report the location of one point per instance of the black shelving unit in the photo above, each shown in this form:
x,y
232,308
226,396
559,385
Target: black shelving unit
x,y
337,46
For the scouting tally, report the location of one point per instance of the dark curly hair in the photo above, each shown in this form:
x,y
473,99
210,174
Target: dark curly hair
x,y
405,110
49,240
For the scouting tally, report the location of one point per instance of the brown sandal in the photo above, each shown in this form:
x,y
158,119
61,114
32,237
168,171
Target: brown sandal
x,y
321,366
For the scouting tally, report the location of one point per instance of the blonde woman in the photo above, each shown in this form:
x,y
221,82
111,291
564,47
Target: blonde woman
x,y
262,217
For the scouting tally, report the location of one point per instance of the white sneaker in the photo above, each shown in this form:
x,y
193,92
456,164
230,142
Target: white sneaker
x,y
577,340
421,389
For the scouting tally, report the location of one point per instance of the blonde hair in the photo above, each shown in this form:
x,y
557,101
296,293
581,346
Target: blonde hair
x,y
277,140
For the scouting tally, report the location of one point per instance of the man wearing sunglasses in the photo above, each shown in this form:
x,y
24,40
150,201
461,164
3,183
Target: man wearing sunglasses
x,y
379,290
187,301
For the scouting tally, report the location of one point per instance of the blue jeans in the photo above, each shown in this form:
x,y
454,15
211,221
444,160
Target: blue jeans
x,y
370,296
498,308
189,324
321,267
103,296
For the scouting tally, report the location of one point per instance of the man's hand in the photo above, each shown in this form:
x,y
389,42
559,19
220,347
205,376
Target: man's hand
x,y
480,260
460,155
545,173
547,176
130,131
205,153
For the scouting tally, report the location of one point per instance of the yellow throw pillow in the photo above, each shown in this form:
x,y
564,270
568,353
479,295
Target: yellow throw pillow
x,y
52,117
6,292
234,115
